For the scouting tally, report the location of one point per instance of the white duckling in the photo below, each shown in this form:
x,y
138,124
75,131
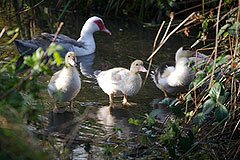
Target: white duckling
x,y
173,80
122,80
66,83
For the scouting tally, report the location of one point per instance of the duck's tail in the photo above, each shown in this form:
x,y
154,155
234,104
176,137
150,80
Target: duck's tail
x,y
96,73
26,47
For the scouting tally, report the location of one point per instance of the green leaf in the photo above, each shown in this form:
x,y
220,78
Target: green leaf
x,y
222,59
205,25
208,106
57,58
223,29
199,118
133,121
221,113
150,120
15,99
232,29
228,1
165,101
215,91
155,112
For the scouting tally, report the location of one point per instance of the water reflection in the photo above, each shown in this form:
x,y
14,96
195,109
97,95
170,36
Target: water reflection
x,y
163,111
116,118
61,122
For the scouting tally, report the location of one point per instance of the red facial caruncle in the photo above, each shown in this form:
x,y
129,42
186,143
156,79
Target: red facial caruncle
x,y
100,25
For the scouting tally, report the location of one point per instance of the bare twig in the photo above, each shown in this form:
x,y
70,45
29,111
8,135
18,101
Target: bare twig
x,y
3,31
151,56
216,45
154,47
57,32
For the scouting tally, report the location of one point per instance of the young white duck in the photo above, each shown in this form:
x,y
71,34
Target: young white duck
x,y
66,83
172,80
121,80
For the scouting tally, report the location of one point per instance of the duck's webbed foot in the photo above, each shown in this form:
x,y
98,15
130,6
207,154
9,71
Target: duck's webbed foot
x,y
125,101
58,110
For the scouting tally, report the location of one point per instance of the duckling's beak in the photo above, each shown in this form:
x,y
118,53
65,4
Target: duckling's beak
x,y
72,62
200,55
142,69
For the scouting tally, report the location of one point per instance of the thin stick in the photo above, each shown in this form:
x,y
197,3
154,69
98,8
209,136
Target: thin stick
x,y
170,35
57,32
156,38
169,24
154,46
225,15
237,26
216,45
3,31
31,7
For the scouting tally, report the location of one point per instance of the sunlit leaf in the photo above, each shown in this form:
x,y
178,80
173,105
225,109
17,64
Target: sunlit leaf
x,y
221,113
215,91
205,25
57,58
223,29
133,121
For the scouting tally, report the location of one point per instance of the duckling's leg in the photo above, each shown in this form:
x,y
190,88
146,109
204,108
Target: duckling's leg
x,y
125,101
55,109
165,93
71,105
110,99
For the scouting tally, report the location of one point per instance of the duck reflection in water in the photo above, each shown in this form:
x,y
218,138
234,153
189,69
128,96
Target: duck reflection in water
x,y
116,117
62,123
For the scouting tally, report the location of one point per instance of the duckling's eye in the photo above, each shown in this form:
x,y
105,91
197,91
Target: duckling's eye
x,y
68,55
137,64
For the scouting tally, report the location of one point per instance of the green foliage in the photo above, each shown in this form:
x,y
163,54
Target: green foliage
x,y
20,103
133,121
174,140
150,118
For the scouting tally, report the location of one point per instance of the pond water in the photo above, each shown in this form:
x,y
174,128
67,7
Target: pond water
x,y
86,131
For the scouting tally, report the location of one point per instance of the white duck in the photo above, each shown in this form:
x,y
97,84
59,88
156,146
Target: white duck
x,y
172,80
121,80
66,83
83,46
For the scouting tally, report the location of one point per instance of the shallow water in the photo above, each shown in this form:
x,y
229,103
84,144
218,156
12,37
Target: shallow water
x,y
92,124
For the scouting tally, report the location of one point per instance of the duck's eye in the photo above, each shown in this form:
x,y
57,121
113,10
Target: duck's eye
x,y
69,56
137,64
